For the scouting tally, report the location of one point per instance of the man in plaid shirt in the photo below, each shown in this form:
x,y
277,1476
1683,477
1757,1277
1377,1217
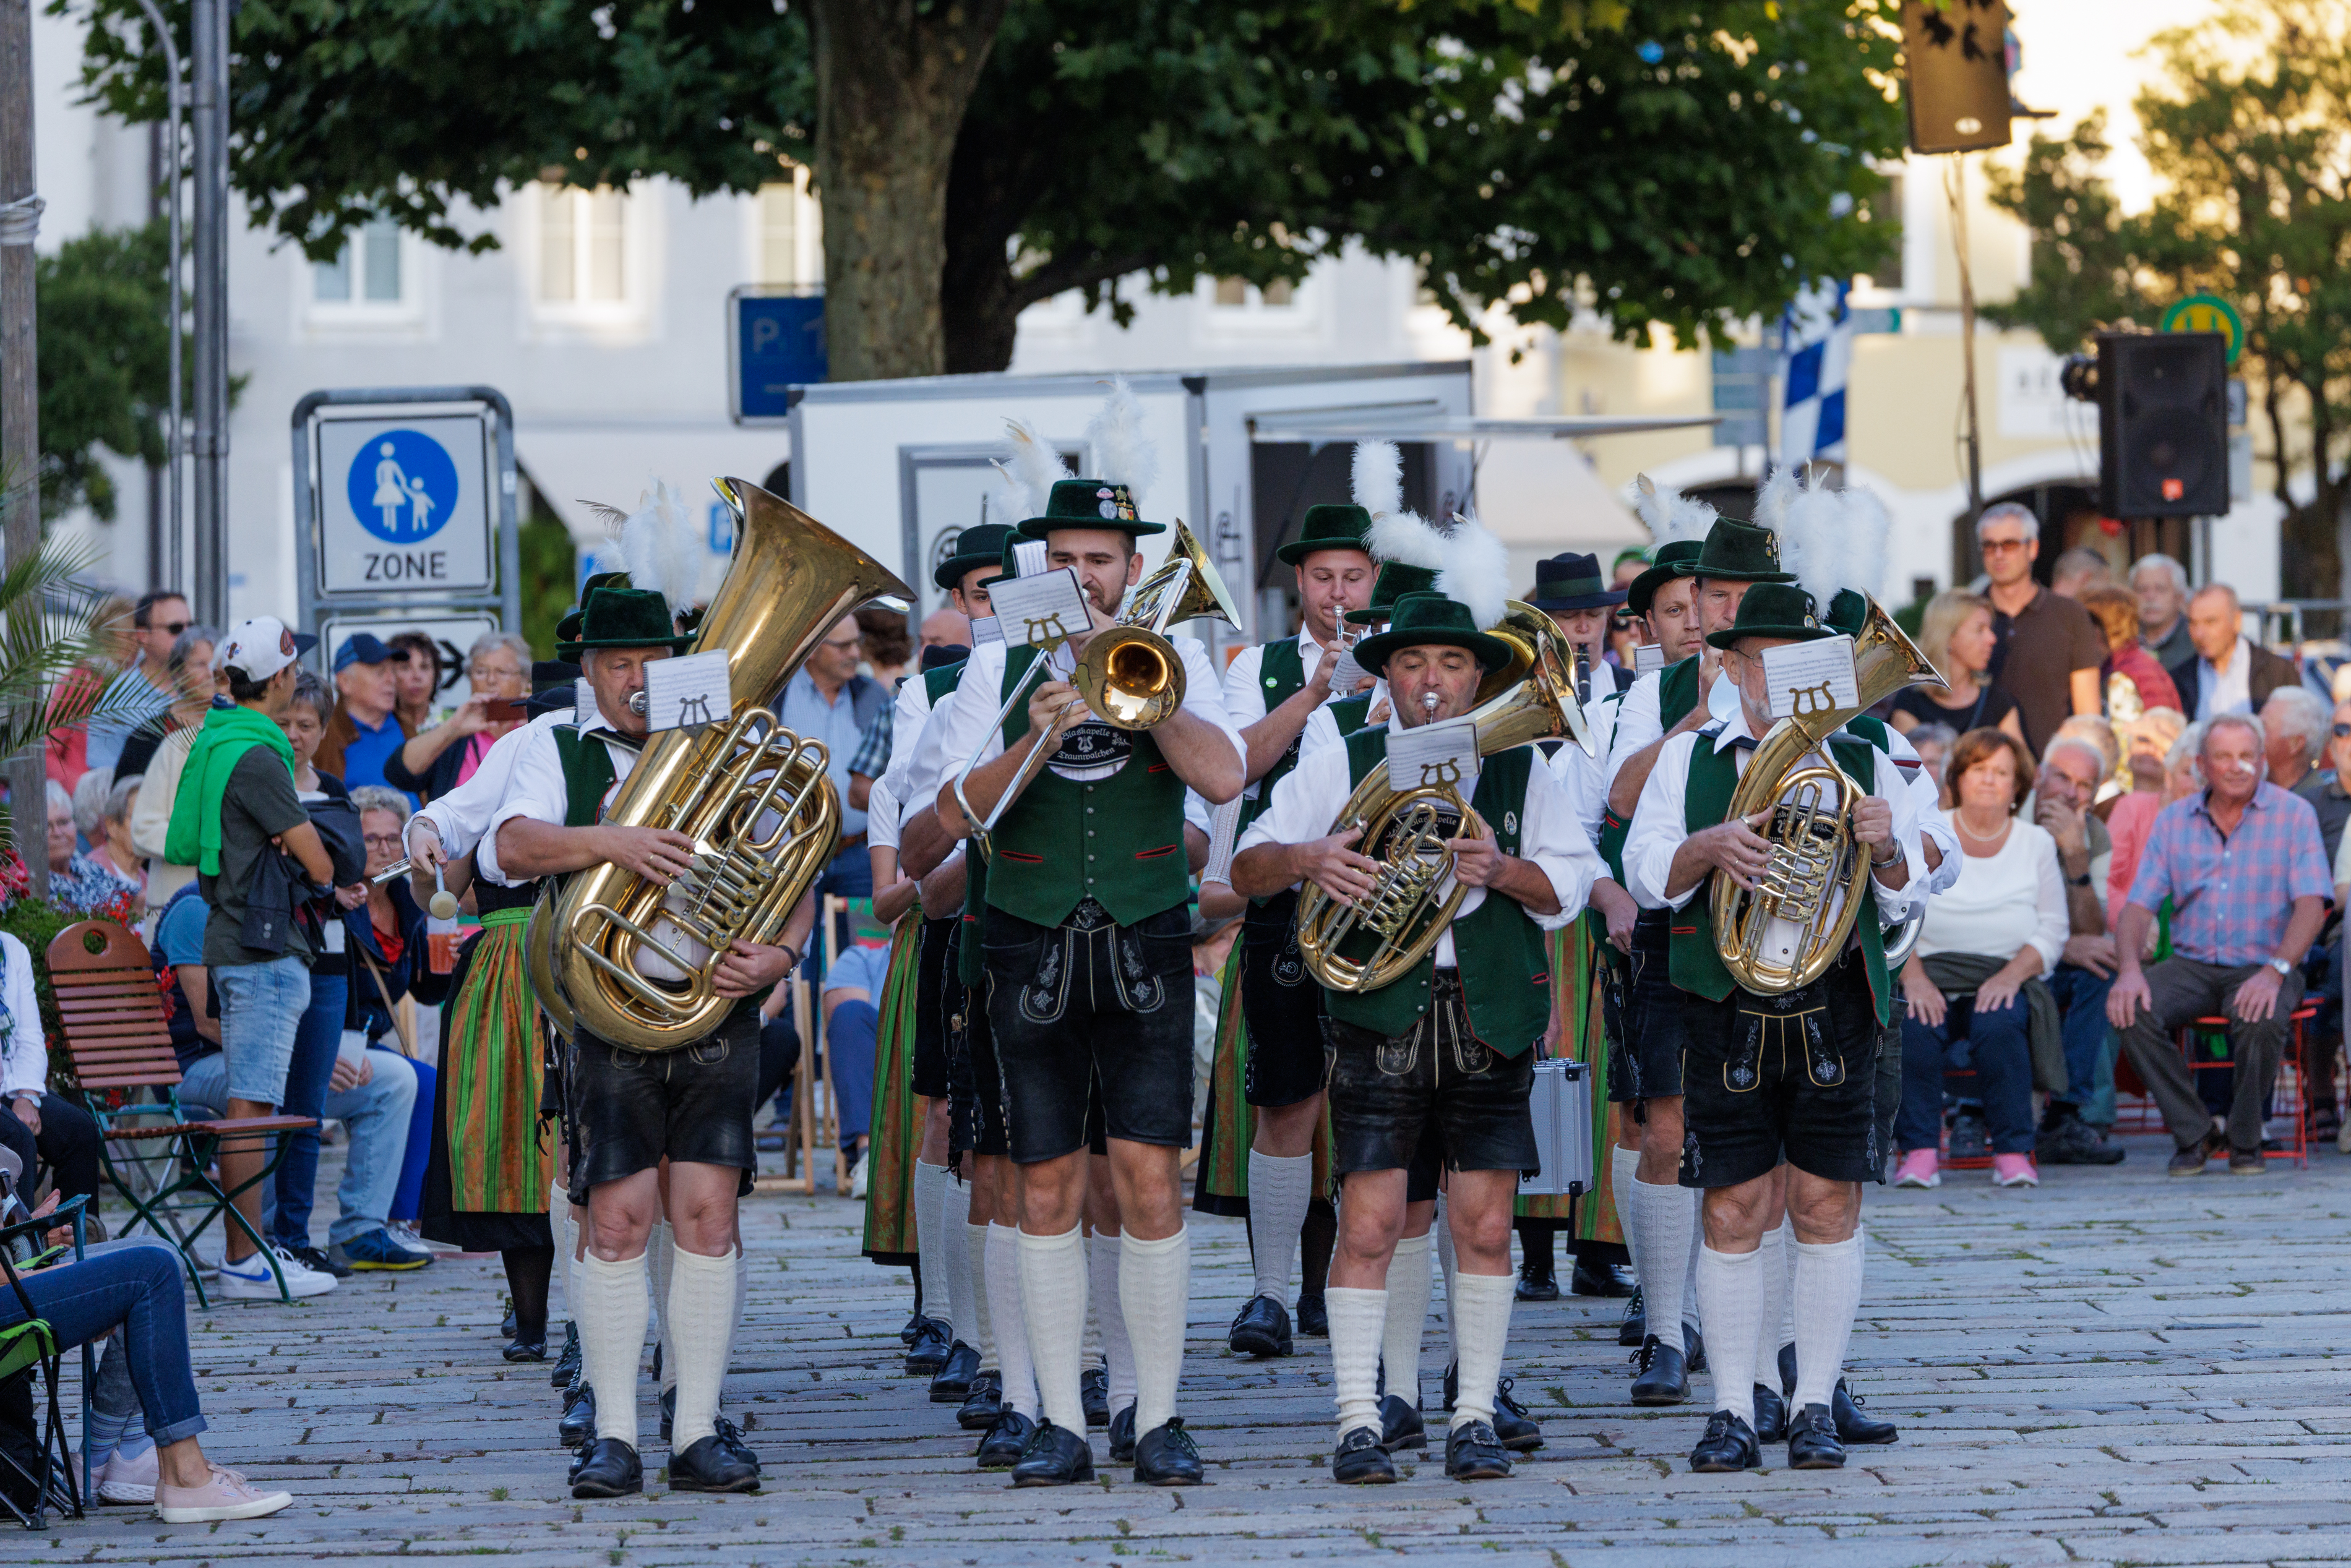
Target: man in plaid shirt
x,y
871,757
2246,873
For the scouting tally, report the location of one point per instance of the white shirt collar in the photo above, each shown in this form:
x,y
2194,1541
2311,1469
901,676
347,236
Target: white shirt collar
x,y
1734,730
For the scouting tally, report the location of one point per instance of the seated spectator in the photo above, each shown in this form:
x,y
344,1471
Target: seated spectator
x,y
415,679
1933,744
2297,720
81,883
1994,931
882,639
2240,864
2230,673
386,942
2094,732
2160,585
1955,636
440,759
2133,818
364,729
50,1133
2063,793
2146,741
2328,788
2131,681
2076,572
852,1018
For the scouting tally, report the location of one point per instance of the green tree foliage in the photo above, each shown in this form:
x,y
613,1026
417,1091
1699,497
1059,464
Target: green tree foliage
x,y
105,361
549,569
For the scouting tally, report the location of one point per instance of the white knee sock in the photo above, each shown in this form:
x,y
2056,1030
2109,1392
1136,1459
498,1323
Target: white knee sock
x,y
983,1309
1360,1320
660,1250
930,1243
954,1214
567,1243
1443,1232
734,1323
1407,1315
1623,1170
1665,1217
1730,1302
1827,1294
1102,1294
1787,1298
1004,1307
1155,1291
1279,1191
1053,1310
1481,1330
1772,1301
612,1308
1090,1356
700,1322
1689,1274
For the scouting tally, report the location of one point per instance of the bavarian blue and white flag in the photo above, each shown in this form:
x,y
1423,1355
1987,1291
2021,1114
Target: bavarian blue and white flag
x,y
1816,352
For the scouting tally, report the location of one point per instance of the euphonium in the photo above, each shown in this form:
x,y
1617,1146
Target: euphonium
x,y
1406,830
1784,933
633,962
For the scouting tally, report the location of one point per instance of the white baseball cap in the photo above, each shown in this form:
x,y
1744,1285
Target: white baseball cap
x,y
260,647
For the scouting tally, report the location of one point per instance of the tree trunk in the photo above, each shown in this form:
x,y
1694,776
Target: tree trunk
x,y
2310,561
20,438
893,79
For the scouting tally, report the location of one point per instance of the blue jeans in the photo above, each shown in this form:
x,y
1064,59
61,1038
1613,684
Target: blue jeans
x,y
1998,1051
261,1008
2082,997
315,1041
408,1196
849,1036
135,1284
378,1114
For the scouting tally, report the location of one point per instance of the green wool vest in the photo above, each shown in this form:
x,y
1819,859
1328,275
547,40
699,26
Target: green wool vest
x,y
1676,694
1350,714
1281,676
1118,841
1504,958
1696,966
588,776
938,683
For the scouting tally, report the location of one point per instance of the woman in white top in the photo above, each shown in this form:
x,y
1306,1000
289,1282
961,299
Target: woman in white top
x,y
2007,909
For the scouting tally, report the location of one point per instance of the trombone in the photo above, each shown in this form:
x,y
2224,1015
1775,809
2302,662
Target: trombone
x,y
1130,675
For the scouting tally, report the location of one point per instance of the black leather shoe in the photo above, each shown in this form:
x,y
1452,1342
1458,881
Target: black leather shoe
x,y
983,1404
928,1354
507,1325
1166,1457
2073,1142
566,1366
1260,1328
1093,1393
1313,1317
1121,1435
668,1410
730,1437
1854,1424
1055,1457
1813,1440
1635,1326
1729,1445
913,1326
1770,1414
1450,1389
1664,1374
1538,1280
1362,1460
1400,1426
608,1468
1788,1372
1473,1453
1693,1349
1606,1279
579,1423
953,1384
707,1466
525,1350
1006,1441
1517,1432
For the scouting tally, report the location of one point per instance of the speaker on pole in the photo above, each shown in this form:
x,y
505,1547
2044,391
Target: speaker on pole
x,y
2163,423
1955,70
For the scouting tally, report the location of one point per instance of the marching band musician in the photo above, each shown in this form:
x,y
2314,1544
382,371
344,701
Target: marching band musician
x,y
1768,1077
1444,1054
1088,977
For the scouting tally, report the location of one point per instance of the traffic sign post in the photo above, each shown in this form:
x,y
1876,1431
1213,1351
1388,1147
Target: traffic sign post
x,y
405,512
775,342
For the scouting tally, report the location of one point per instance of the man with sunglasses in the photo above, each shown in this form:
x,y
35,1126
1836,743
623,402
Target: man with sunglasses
x,y
147,689
2049,649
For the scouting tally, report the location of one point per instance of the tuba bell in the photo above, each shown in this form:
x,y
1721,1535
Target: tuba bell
x,y
1784,934
1363,947
634,963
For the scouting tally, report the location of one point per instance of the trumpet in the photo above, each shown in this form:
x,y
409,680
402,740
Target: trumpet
x,y
1130,675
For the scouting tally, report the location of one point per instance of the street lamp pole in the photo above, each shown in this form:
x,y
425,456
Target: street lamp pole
x,y
209,122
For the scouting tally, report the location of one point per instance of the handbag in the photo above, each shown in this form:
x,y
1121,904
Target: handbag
x,y
268,902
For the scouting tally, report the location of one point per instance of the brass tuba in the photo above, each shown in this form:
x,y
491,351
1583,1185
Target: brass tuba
x,y
1406,830
633,962
1784,933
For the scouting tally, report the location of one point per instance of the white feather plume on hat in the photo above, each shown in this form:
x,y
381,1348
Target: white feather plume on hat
x,y
1123,452
1030,467
1774,499
1405,538
1841,542
1809,533
1670,518
1475,571
1379,485
659,548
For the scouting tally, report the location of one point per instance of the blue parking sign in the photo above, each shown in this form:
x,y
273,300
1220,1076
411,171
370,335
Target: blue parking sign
x,y
778,343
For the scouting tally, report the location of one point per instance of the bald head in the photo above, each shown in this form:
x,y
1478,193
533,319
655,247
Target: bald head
x,y
2214,621
946,629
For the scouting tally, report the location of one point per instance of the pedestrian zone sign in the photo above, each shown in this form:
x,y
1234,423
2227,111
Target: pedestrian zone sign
x,y
404,505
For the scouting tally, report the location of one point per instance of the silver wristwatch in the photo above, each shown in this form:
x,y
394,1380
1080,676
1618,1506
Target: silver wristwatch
x,y
2282,966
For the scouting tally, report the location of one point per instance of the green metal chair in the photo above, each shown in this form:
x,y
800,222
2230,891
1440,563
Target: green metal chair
x,y
31,1346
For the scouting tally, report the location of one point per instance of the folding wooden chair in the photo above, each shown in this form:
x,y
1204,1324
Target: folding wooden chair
x,y
115,1039
30,1346
800,1132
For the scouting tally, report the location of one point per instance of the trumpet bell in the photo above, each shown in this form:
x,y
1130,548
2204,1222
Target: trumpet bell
x,y
1131,677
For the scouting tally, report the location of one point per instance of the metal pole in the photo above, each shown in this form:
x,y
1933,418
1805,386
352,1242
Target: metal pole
x,y
167,572
20,403
1954,186
209,124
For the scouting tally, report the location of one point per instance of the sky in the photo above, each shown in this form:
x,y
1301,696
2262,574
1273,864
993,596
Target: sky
x,y
2079,54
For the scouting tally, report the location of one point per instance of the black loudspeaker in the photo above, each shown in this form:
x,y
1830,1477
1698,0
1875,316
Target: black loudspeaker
x,y
2163,424
1955,69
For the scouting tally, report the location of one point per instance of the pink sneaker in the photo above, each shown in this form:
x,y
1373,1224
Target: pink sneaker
x,y
2013,1170
126,1478
224,1495
1919,1169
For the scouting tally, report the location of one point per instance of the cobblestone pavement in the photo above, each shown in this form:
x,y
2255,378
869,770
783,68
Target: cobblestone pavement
x,y
2114,1368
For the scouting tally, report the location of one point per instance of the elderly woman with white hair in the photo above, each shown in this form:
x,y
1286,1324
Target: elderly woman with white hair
x,y
2296,721
430,765
86,884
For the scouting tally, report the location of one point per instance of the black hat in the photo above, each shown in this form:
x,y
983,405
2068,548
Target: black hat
x,y
1679,558
625,618
1422,618
1396,581
1740,552
976,549
1331,525
939,655
1088,504
1571,581
1780,610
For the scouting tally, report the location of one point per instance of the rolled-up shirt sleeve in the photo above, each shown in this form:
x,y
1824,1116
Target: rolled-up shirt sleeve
x,y
1658,827
462,815
1637,725
1555,842
536,790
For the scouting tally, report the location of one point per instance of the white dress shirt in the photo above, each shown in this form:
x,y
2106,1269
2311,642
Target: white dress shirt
x,y
24,1052
1579,779
880,815
1306,802
1322,729
462,815
537,788
2225,691
1637,721
1245,688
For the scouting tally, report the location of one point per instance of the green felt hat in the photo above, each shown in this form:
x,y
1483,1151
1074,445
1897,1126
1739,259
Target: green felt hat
x,y
1331,525
1740,552
1396,581
1679,558
1573,581
568,628
1780,610
1088,504
976,549
1422,618
624,618
1848,613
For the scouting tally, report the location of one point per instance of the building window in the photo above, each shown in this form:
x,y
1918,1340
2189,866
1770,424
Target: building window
x,y
1237,293
583,247
368,272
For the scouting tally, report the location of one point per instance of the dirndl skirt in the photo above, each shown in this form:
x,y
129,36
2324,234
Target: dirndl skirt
x,y
493,1158
895,1134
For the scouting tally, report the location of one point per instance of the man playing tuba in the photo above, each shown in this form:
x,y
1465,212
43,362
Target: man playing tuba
x,y
1443,1055
1772,1076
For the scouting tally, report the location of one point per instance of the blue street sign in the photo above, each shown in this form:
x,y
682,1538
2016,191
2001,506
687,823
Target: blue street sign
x,y
778,343
402,486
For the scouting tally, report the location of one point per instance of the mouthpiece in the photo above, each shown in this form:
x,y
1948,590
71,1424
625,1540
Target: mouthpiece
x,y
1428,701
637,704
